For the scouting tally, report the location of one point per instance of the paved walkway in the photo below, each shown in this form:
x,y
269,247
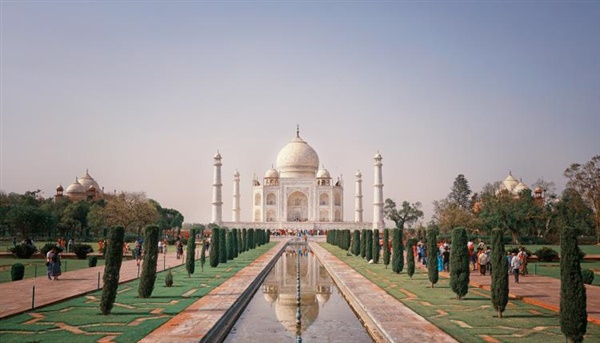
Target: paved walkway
x,y
538,290
16,297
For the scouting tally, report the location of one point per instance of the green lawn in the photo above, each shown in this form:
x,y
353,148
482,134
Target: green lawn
x,y
132,318
472,319
588,249
552,269
37,267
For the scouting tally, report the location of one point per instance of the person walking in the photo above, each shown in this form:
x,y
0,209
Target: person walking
x,y
49,263
55,264
515,265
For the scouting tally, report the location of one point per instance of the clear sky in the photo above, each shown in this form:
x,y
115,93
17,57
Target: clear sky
x,y
144,93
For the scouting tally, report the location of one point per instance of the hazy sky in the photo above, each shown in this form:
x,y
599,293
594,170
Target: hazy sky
x,y
144,93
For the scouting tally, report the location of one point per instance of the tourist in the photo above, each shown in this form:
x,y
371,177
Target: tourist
x,y
446,259
483,261
55,263
70,245
138,252
49,263
160,247
522,255
515,265
179,249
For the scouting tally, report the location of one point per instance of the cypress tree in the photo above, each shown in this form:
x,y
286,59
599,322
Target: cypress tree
x,y
214,253
459,263
355,242
190,263
148,276
235,243
386,247
369,245
410,257
203,254
251,243
112,267
363,243
376,246
240,243
397,253
499,272
229,245
573,311
432,257
268,236
245,240
223,245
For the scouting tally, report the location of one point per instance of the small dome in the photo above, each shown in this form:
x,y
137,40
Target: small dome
x,y
358,174
217,155
272,174
87,181
59,188
323,174
510,183
236,174
538,190
378,156
520,187
75,188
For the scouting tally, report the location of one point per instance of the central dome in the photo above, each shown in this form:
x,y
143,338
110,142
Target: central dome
x,y
297,160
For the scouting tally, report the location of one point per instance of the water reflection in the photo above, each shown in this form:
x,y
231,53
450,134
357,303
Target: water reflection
x,y
279,288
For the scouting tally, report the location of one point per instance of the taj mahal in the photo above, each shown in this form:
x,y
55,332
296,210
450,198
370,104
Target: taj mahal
x,y
297,194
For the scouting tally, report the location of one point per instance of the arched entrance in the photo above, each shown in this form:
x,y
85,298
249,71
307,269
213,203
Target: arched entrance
x,y
297,207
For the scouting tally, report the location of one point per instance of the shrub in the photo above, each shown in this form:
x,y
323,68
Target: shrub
x,y
588,276
214,247
112,268
356,242
386,247
81,250
48,246
459,263
410,257
376,246
169,279
92,261
223,245
17,272
148,276
432,254
546,254
397,251
573,313
499,274
131,237
190,262
24,250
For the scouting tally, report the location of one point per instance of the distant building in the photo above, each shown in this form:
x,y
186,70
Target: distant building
x,y
83,188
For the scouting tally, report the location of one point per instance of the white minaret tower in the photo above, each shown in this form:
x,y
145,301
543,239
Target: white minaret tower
x,y
236,197
378,222
358,208
217,200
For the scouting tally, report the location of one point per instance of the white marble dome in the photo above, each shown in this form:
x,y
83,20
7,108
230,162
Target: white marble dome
x,y
297,160
76,188
272,174
87,181
323,174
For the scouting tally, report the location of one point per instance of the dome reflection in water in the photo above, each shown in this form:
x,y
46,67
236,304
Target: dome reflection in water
x,y
271,315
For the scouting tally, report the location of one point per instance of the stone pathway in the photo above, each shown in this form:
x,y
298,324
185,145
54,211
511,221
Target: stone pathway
x,y
16,297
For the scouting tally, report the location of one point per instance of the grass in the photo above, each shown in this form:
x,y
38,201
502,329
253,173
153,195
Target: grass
x,y
37,267
588,249
470,320
552,269
132,318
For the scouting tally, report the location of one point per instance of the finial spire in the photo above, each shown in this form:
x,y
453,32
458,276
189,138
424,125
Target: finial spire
x,y
297,130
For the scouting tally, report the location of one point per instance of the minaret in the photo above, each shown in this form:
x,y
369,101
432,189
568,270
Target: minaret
x,y
236,197
217,200
378,222
358,209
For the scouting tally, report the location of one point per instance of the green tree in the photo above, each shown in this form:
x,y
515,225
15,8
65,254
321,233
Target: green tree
x,y
386,247
203,254
223,245
356,242
190,261
148,276
573,313
407,215
130,210
459,263
499,272
240,242
585,180
397,251
573,211
112,268
234,242
461,193
251,239
214,253
363,243
245,239
432,256
410,257
376,247
229,245
369,245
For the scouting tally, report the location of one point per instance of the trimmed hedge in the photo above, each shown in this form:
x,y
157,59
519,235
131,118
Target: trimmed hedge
x,y
82,250
17,272
112,268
